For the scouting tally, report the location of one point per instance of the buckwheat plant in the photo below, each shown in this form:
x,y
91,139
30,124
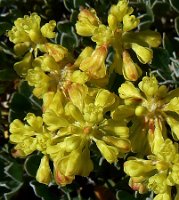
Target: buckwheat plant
x,y
80,112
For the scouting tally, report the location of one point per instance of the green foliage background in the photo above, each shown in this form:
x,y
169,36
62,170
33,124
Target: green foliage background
x,y
107,181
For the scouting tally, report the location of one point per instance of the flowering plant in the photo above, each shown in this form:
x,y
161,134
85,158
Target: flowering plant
x,y
94,98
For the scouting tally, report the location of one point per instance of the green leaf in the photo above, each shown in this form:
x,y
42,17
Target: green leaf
x,y
123,195
177,25
175,5
78,3
3,190
4,26
9,195
167,44
73,4
45,192
31,164
145,21
7,75
25,89
161,59
15,171
163,7
64,26
67,39
16,115
20,103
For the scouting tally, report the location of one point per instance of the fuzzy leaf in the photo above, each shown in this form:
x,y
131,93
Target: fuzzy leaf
x,y
4,26
44,192
15,171
7,75
31,164
175,5
177,25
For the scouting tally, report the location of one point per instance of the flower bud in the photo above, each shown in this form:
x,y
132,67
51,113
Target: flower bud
x,y
131,70
56,51
140,111
46,63
110,153
120,10
122,144
79,77
47,29
149,85
136,168
144,54
128,90
130,22
112,21
137,186
152,38
104,98
21,48
24,65
87,51
95,64
103,35
43,174
87,22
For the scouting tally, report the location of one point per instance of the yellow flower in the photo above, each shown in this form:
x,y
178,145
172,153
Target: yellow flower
x,y
24,65
43,174
120,10
159,173
139,167
85,116
144,54
95,64
131,70
130,22
153,106
31,136
87,22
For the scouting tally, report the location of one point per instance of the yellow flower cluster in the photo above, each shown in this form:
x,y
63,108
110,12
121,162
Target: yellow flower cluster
x,y
149,107
118,34
79,111
159,173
